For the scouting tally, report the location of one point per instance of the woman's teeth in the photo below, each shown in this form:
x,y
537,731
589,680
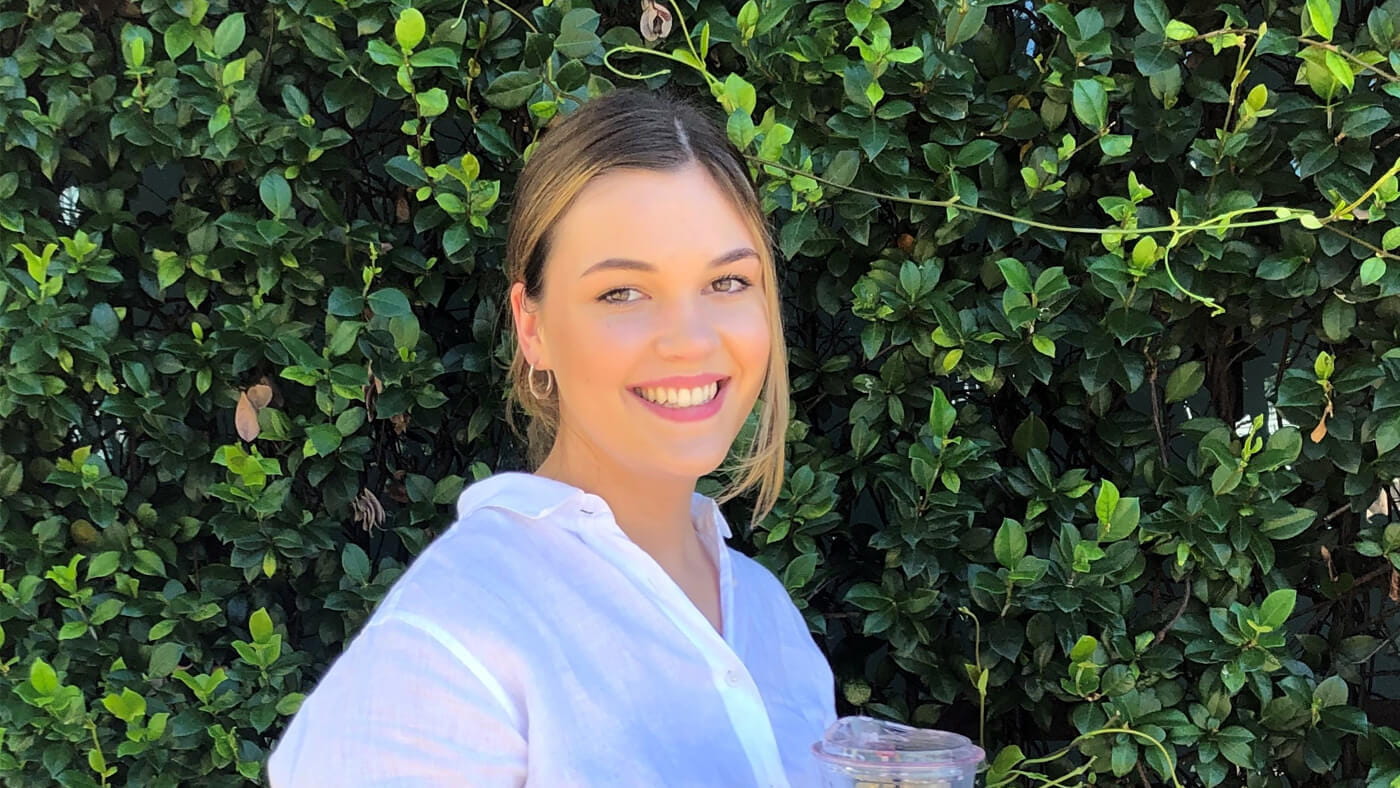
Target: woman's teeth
x,y
680,398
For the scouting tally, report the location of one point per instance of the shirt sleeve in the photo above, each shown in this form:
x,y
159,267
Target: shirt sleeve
x,y
822,675
405,705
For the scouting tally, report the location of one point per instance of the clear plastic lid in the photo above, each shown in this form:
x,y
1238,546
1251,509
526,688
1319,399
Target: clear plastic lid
x,y
865,742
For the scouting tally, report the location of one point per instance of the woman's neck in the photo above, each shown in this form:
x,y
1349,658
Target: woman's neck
x,y
653,511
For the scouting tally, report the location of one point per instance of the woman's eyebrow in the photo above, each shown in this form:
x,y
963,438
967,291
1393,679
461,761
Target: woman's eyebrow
x,y
625,264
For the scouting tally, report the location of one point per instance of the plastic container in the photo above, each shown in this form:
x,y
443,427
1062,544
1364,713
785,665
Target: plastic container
x,y
863,752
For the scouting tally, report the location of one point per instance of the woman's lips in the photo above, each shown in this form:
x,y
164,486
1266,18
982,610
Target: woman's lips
x,y
692,413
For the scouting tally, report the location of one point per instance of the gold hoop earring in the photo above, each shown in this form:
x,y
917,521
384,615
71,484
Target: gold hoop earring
x,y
548,389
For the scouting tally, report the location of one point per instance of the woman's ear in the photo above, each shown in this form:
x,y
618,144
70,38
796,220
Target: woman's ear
x,y
525,313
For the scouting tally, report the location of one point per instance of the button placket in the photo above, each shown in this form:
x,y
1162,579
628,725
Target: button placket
x,y
744,703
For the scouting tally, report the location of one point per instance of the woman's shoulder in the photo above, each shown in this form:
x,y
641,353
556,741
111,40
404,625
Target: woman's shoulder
x,y
483,564
755,581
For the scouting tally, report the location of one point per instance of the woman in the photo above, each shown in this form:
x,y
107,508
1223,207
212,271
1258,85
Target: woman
x,y
585,624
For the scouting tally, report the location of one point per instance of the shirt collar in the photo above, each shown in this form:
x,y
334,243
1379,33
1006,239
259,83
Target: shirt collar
x,y
535,497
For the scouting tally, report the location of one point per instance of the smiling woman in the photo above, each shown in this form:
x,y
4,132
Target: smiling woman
x,y
552,635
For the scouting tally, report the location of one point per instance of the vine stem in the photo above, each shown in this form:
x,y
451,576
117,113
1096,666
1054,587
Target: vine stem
x,y
954,203
1337,214
1379,252
1222,223
1387,76
507,7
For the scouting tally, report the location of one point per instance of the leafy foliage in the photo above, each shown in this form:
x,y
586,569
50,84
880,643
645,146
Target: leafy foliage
x,y
1096,358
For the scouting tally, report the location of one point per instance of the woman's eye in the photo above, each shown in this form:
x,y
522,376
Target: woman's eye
x,y
608,296
733,283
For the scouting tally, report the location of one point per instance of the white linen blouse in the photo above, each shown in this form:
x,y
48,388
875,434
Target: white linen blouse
x,y
534,644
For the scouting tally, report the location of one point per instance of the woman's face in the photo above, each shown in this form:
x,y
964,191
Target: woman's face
x,y
653,321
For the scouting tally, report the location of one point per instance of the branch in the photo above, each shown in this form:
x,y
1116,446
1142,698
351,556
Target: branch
x,y
1388,77
1185,600
1379,252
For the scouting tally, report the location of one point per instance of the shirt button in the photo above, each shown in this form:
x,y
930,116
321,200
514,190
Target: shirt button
x,y
732,678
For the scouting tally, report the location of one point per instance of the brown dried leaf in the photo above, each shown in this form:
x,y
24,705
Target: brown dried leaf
x,y
1320,431
259,395
401,209
245,418
1394,585
366,511
400,422
656,21
1327,559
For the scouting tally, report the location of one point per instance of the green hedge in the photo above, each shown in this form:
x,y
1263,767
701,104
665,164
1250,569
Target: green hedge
x,y
1095,337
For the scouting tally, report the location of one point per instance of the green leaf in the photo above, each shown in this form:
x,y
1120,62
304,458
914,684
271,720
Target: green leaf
x,y
963,22
432,103
843,167
136,44
169,269
795,232
1084,648
127,707
974,153
1107,502
42,677
1116,144
276,194
383,54
1123,757
73,629
1225,479
1289,525
1015,274
1185,381
1322,15
1090,101
1123,521
436,57
1338,320
103,564
1010,543
1340,70
228,37
148,563
260,626
390,302
164,659
1152,15
355,563
1332,691
1372,271
1277,607
942,415
747,20
1388,434
512,89
577,37
800,570
409,29
1180,31
323,438
177,39
290,703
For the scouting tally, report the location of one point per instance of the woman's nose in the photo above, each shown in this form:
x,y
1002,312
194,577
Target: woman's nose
x,y
687,330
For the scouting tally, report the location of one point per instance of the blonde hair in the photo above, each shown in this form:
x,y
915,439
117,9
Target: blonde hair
x,y
648,130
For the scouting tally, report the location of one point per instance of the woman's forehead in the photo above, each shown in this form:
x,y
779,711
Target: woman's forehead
x,y
661,216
